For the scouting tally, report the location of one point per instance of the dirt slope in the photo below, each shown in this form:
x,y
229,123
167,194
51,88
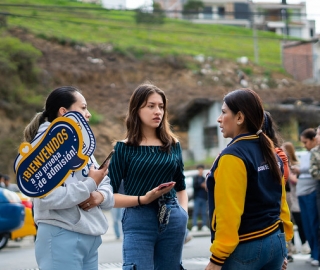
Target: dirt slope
x,y
107,80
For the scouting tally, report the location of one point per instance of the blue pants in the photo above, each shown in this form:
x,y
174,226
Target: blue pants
x,y
200,207
263,254
310,221
57,249
148,245
117,216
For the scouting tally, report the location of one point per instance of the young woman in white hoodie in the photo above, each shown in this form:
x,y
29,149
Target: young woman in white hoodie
x,y
70,219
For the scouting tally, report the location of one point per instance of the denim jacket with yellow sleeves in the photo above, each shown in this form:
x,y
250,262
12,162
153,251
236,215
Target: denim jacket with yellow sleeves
x,y
245,202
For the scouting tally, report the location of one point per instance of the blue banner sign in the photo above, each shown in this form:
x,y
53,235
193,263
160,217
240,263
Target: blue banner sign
x,y
47,161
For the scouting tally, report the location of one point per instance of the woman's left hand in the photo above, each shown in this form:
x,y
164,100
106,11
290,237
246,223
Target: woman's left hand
x,y
96,198
212,266
284,265
155,193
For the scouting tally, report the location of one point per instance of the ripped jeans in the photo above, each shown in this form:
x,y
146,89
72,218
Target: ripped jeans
x,y
148,245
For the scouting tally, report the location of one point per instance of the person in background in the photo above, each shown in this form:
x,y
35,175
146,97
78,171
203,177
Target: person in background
x,y
248,212
8,185
315,173
307,195
200,200
117,216
150,155
70,218
293,200
1,181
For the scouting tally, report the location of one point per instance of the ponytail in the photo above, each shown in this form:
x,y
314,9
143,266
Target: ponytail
x,y
267,148
32,128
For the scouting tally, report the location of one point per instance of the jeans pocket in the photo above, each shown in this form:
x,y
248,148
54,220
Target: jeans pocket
x,y
129,267
124,215
55,230
282,239
184,211
247,252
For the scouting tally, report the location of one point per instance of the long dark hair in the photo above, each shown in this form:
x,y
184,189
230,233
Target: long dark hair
x,y
133,122
309,133
270,128
249,103
60,97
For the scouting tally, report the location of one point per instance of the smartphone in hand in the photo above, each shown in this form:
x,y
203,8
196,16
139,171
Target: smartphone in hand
x,y
164,185
107,159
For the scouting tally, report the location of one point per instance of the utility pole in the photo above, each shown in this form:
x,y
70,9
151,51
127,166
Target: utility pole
x,y
284,12
254,35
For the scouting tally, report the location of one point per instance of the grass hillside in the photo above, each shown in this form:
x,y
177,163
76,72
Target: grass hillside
x,y
74,22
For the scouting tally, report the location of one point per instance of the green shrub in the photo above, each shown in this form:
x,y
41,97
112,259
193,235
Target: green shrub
x,y
144,15
247,70
18,75
192,8
18,58
95,118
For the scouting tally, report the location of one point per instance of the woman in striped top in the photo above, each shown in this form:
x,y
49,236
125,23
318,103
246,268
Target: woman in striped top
x,y
153,222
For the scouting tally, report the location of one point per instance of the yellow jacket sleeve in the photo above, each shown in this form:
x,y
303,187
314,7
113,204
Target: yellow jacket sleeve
x,y
229,195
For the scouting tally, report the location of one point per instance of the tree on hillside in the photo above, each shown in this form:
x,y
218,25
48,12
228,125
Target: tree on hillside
x,y
156,15
192,8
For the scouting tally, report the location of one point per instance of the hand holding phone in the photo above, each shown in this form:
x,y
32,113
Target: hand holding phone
x,y
106,160
164,185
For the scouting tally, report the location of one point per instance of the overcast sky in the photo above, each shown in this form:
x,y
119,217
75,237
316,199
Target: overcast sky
x,y
313,7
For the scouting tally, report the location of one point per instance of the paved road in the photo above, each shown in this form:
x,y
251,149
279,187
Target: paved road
x,y
20,255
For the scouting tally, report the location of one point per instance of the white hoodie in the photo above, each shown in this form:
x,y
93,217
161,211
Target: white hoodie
x,y
60,208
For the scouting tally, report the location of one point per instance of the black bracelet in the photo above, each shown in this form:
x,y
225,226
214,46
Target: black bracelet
x,y
139,201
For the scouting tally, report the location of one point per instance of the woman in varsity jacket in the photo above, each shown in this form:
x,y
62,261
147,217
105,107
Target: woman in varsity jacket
x,y
249,215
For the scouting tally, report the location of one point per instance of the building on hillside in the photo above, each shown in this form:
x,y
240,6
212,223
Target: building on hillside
x,y
228,12
301,59
199,118
283,19
172,8
114,4
205,140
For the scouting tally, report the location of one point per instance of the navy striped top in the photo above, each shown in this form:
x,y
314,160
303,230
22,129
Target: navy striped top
x,y
145,167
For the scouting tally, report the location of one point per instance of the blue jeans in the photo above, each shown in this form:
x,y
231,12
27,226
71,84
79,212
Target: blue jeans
x,y
117,216
58,248
263,254
310,221
148,245
200,207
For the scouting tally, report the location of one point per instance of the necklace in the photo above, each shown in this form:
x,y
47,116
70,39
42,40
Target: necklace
x,y
151,147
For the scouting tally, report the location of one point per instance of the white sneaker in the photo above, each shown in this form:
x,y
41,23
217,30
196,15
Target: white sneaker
x,y
194,228
204,228
309,260
315,263
305,249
